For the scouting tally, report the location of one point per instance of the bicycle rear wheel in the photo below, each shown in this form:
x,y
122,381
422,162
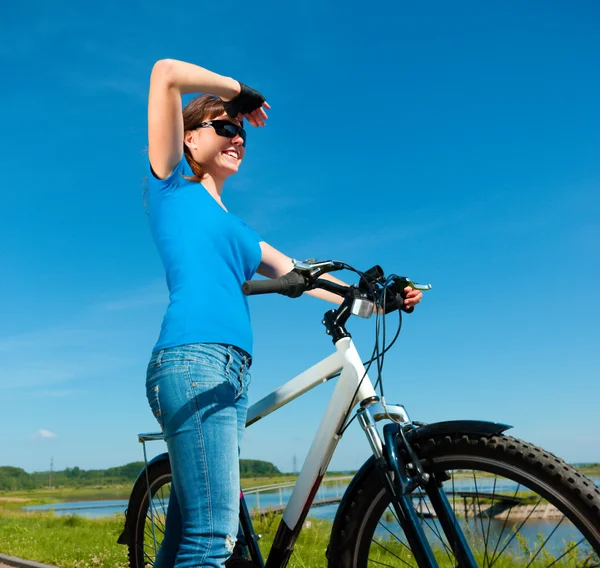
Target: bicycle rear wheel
x,y
517,505
148,507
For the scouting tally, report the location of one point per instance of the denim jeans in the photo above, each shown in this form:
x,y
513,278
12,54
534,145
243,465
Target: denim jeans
x,y
198,394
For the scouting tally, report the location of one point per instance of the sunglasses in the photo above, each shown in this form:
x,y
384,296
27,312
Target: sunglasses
x,y
226,128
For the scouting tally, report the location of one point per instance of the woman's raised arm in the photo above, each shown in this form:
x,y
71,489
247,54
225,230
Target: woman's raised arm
x,y
169,80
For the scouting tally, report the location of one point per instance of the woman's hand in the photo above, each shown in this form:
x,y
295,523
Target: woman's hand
x,y
258,117
248,103
412,297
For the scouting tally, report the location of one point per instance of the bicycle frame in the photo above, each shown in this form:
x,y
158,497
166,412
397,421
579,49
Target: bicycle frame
x,y
346,360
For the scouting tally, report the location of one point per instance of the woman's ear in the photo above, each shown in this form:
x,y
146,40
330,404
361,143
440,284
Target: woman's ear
x,y
189,140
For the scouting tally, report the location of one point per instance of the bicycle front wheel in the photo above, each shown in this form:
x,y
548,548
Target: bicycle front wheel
x,y
516,504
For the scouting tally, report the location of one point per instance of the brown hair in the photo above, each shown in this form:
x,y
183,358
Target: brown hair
x,y
204,107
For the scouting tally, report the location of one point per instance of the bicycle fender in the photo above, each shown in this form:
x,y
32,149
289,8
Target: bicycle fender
x,y
475,427
160,457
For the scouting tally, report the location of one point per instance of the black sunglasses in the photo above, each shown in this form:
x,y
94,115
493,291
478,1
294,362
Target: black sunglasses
x,y
226,128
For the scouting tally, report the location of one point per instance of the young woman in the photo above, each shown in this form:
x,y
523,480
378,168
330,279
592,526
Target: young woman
x,y
197,377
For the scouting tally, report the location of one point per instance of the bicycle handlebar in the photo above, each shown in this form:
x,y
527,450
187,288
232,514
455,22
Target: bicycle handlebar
x,y
305,276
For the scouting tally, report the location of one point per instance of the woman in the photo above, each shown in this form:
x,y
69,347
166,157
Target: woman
x,y
197,378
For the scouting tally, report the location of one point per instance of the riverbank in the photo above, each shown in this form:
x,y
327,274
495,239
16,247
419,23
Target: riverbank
x,y
16,499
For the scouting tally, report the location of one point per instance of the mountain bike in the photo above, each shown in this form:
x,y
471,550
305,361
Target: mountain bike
x,y
454,493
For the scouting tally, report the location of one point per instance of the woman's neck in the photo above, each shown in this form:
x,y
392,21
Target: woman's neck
x,y
214,186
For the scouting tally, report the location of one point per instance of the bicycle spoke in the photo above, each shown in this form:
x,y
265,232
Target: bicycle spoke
x,y
504,526
566,552
158,523
396,537
454,498
148,532
156,518
516,532
155,529
544,544
381,563
161,500
394,555
485,554
487,537
448,550
150,558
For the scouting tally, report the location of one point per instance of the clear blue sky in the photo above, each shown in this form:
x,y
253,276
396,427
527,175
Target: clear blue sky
x,y
455,143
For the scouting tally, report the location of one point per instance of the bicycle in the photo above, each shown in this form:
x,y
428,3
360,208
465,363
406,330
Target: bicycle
x,y
454,493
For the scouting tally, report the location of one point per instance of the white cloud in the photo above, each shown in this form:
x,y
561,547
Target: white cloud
x,y
44,434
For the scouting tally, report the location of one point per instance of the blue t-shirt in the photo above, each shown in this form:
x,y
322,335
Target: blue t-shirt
x,y
208,254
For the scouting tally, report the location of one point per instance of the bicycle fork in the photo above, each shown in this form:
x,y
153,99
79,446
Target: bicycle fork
x,y
402,477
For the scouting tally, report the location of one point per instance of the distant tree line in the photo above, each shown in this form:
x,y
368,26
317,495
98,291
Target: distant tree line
x,y
15,478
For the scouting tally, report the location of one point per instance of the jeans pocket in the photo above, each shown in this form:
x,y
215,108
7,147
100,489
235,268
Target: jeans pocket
x,y
154,401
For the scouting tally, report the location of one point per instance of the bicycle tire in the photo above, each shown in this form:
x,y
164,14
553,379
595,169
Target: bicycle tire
x,y
158,477
555,482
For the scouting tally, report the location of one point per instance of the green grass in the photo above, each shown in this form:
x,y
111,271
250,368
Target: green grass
x,y
70,542
77,542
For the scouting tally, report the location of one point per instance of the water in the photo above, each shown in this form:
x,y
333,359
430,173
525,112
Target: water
x,y
274,498
92,509
531,531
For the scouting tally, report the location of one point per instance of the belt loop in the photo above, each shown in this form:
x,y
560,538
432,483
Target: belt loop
x,y
229,360
159,358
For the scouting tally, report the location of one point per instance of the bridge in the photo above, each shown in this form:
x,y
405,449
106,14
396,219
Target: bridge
x,y
464,503
496,503
319,501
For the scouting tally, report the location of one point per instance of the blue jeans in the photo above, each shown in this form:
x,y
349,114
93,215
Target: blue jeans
x,y
198,394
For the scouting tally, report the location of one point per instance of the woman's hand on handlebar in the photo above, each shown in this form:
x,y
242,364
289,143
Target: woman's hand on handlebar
x,y
412,297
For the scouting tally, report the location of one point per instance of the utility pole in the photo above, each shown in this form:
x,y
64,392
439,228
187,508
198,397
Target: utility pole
x,y
50,477
295,465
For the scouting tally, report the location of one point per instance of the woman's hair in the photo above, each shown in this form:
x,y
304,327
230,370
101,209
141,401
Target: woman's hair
x,y
204,107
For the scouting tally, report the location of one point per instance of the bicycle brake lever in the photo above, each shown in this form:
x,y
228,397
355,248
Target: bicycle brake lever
x,y
316,268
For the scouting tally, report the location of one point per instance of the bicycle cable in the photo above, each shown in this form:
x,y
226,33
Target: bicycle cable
x,y
376,355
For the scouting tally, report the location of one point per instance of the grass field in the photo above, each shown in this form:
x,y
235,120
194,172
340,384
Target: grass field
x,y
78,542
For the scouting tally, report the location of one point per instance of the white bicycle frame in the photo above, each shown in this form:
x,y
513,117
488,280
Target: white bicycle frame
x,y
353,386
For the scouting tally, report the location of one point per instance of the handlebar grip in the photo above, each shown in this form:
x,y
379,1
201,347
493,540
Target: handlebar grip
x,y
255,287
291,284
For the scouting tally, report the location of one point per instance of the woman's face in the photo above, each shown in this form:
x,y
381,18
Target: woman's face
x,y
218,155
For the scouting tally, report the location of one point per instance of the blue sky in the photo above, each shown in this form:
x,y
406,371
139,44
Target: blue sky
x,y
457,144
